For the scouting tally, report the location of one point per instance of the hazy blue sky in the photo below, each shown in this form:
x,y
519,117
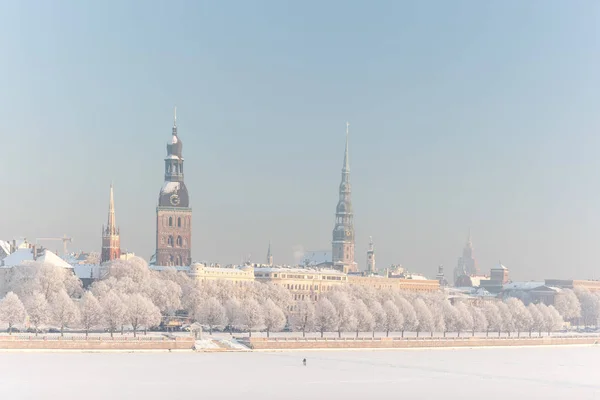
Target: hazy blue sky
x,y
481,114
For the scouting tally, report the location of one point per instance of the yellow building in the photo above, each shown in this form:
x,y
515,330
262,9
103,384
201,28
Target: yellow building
x,y
303,283
380,282
592,286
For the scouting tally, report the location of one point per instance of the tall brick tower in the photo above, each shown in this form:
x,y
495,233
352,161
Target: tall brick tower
x,y
173,214
111,241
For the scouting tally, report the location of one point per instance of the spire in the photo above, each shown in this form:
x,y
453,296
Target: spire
x,y
111,228
346,158
269,255
175,122
370,243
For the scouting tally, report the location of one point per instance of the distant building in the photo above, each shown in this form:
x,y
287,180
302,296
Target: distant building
x,y
467,265
592,286
498,278
316,258
413,283
371,258
440,276
173,214
303,283
111,240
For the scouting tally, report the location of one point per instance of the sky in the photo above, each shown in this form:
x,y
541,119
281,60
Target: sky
x,y
463,115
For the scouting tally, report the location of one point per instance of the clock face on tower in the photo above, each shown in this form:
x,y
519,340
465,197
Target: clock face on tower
x,y
348,233
174,199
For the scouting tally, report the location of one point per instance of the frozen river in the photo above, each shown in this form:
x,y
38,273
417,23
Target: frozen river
x,y
483,373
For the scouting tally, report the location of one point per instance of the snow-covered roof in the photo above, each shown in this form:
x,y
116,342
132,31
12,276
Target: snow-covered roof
x,y
180,268
316,257
171,156
170,187
299,270
89,271
4,248
26,255
522,285
499,266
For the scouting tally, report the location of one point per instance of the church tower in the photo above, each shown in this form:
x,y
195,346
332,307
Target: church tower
x,y
269,256
173,214
343,232
371,258
111,241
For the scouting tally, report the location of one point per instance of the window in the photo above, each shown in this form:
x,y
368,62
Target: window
x,y
170,242
179,241
170,221
179,222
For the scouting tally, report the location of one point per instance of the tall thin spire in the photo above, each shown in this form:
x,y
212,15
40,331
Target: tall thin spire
x,y
112,227
175,122
269,255
346,157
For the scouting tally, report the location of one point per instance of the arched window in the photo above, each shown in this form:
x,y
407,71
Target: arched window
x,y
170,243
170,221
179,241
179,222
178,260
115,255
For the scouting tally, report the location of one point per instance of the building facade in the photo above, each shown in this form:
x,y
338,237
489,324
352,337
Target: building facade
x,y
303,283
382,283
174,214
343,232
111,239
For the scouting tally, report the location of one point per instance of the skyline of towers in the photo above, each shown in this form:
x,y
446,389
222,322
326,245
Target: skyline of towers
x,y
467,265
111,241
343,232
173,213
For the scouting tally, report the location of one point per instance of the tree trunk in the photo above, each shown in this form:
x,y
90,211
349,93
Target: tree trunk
x,y
267,332
111,332
10,329
402,333
530,333
210,329
473,332
498,332
487,332
458,334
303,331
87,331
357,333
62,327
431,334
249,332
387,333
444,333
135,331
417,333
36,331
339,333
518,334
373,333
321,332
122,329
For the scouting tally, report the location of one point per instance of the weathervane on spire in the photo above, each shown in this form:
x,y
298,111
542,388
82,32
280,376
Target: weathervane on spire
x,y
175,117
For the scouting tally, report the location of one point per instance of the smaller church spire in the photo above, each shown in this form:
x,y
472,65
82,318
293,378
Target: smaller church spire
x,y
175,122
346,157
269,255
111,228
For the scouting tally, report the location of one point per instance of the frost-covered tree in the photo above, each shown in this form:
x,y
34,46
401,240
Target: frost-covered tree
x,y
537,319
12,310
274,317
521,316
493,317
393,317
480,323
138,308
408,313
64,311
90,312
590,307
378,314
345,312
567,304
252,316
166,295
113,311
556,322
326,318
464,321
211,313
506,318
304,317
233,313
451,317
37,310
48,279
424,317
364,319
151,317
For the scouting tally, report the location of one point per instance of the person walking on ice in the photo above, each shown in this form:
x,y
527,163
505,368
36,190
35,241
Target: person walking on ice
x,y
304,362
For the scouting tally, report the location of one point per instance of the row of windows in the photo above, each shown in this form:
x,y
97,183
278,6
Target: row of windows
x,y
175,168
178,222
171,241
